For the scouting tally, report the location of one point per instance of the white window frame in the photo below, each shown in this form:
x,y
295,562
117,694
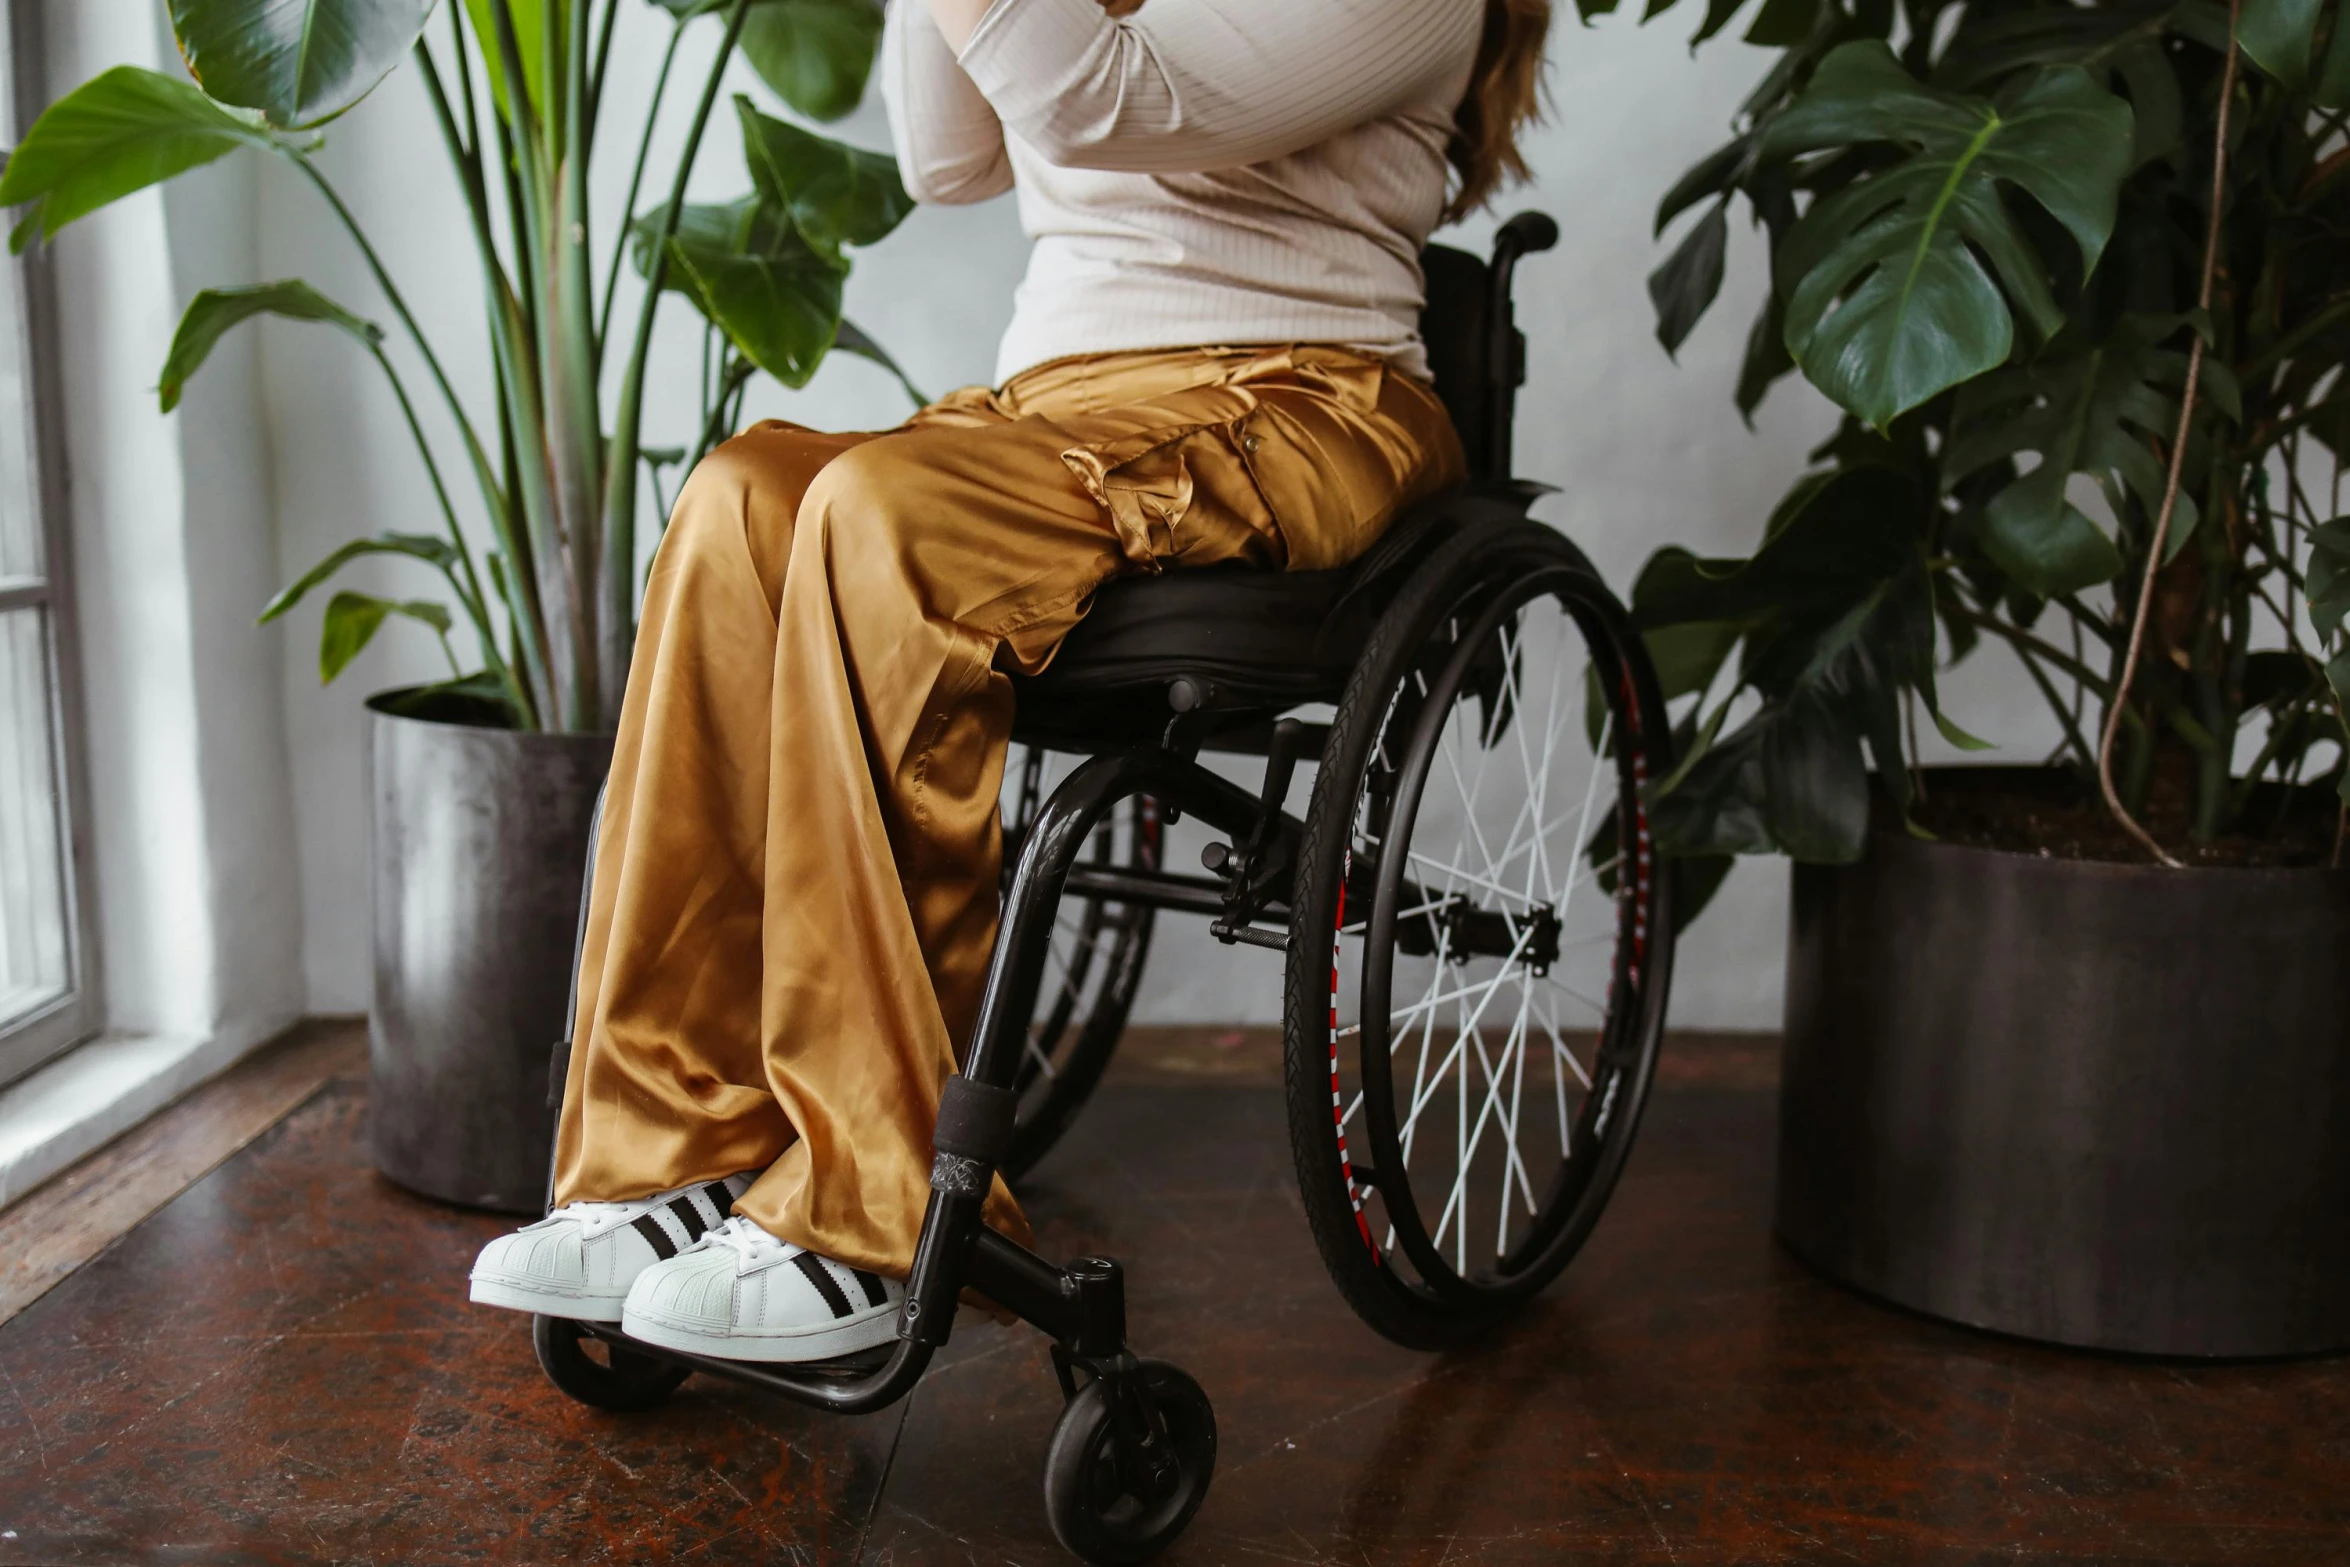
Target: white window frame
x,y
41,1036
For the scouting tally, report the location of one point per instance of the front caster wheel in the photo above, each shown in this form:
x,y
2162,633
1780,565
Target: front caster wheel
x,y
1118,1487
622,1382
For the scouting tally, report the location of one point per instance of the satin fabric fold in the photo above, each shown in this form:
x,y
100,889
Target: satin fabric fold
x,y
796,885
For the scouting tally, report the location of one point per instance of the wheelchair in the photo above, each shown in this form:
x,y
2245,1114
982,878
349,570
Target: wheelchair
x,y
1476,931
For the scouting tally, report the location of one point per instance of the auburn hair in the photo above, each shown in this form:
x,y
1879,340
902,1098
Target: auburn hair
x,y
1505,95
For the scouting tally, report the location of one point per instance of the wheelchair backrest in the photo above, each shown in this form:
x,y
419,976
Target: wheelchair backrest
x,y
1475,349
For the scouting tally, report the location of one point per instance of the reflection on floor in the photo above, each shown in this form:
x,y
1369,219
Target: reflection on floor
x,y
279,1367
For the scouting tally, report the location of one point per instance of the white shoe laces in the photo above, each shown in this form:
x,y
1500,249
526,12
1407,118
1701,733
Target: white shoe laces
x,y
747,1240
594,1218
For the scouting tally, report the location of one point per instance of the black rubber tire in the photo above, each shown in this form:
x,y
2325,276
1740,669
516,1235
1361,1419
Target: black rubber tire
x,y
1091,1514
1480,566
1081,1047
629,1385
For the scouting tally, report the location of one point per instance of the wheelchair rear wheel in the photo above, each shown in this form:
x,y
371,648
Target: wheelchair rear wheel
x,y
1091,971
1481,950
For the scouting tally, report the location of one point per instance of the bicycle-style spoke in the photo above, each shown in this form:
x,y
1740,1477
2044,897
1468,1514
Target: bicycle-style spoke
x,y
1490,938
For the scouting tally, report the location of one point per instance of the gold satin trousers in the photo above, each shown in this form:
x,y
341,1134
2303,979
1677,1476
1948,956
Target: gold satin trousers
x,y
795,893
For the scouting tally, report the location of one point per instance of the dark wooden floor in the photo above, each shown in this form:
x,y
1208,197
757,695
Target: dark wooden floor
x,y
279,1367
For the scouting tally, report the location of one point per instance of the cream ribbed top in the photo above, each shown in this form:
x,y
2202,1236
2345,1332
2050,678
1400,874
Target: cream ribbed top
x,y
1200,173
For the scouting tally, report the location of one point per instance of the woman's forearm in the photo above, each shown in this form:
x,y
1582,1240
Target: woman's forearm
x,y
1187,86
957,18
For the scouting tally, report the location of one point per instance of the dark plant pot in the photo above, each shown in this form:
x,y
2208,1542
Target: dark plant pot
x,y
480,837
2098,1105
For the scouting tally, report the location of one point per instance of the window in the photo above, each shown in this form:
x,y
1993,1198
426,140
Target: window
x,y
47,999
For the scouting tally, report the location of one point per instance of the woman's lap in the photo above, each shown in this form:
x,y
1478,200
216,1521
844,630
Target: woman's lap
x,y
805,780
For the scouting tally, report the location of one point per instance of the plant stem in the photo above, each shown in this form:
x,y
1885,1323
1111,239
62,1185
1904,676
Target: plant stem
x,y
520,590
468,589
716,426
465,153
621,475
595,86
2064,716
465,81
2084,618
2279,730
2178,458
399,306
529,385
636,175
567,356
2021,639
2282,349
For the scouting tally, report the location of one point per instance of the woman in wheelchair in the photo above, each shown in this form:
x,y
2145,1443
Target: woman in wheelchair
x,y
1215,358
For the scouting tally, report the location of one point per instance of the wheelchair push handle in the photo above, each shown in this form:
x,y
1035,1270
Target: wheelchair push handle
x,y
1526,234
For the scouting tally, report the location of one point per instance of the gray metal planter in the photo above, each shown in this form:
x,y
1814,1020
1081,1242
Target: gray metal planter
x,y
2095,1104
480,835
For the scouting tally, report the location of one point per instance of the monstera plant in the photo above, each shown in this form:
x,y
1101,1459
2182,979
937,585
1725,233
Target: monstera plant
x,y
2078,278
551,456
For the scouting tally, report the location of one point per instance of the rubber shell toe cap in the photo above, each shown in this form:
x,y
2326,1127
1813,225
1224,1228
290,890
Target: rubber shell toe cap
x,y
554,1256
695,1290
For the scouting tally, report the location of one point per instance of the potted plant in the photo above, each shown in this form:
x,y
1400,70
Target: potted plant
x,y
2068,1045
484,783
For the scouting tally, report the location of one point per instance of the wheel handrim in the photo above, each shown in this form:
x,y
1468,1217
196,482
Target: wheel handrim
x,y
1519,938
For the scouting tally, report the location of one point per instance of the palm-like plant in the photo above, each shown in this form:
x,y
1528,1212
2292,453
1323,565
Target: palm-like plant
x,y
517,89
2079,277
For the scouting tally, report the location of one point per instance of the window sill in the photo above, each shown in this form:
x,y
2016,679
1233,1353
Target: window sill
x,y
92,1094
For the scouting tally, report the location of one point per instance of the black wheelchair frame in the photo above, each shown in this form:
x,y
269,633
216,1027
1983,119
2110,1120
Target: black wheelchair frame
x,y
1131,1460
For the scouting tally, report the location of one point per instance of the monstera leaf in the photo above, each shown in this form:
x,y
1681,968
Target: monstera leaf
x,y
118,132
297,62
1686,284
2329,575
2099,411
747,269
836,194
1837,612
2126,41
2281,37
1906,283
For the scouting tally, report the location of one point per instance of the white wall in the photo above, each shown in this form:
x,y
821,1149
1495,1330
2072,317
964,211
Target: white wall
x,y
1645,452
189,774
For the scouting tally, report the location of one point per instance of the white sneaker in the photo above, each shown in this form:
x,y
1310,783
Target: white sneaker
x,y
744,1295
579,1261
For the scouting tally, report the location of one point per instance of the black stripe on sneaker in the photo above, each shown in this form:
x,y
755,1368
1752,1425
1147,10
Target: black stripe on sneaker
x,y
721,1200
655,1236
689,1216
826,1286
875,1295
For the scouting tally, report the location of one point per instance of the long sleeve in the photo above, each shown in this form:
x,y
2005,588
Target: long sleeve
x,y
950,145
1189,86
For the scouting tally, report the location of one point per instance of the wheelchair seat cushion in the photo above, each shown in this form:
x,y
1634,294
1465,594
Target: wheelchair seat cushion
x,y
1243,637
1231,626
